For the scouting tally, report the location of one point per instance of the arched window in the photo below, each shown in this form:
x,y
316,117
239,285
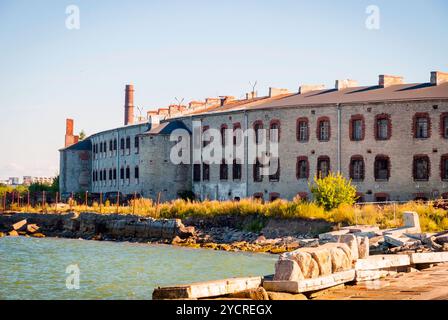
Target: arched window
x,y
258,131
357,168
323,166
421,168
274,131
383,127
382,168
323,129
422,125
357,127
302,131
302,168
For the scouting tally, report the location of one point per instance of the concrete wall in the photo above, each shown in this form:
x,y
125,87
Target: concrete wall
x,y
158,173
75,171
117,160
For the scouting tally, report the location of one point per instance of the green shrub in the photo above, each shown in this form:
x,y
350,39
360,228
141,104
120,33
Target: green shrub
x,y
332,191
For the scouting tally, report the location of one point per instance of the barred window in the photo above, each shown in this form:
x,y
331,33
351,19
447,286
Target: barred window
x,y
257,171
196,172
302,168
236,170
223,170
274,131
128,173
444,167
323,166
422,127
357,168
324,130
274,168
136,173
421,168
302,130
357,130
382,168
205,172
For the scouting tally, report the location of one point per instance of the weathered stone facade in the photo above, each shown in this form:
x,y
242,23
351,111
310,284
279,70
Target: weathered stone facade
x,y
391,139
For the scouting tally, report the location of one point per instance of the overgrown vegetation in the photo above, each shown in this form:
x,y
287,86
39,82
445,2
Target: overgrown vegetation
x,y
332,191
334,202
432,218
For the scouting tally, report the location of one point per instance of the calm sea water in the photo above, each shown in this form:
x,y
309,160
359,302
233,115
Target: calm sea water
x,y
36,268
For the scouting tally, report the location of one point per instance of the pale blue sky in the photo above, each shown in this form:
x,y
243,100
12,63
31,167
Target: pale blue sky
x,y
189,49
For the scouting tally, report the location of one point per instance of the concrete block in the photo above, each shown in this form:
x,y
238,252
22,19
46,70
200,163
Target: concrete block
x,y
351,241
428,257
400,241
363,247
383,262
288,270
308,266
329,236
411,219
308,285
368,275
207,288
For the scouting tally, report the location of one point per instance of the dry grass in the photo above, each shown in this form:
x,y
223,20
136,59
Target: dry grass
x,y
386,216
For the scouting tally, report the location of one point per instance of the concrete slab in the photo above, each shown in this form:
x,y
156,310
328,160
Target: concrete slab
x,y
428,257
382,261
207,289
368,275
308,285
328,236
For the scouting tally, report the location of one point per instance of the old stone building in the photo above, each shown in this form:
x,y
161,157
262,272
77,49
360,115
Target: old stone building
x,y
391,139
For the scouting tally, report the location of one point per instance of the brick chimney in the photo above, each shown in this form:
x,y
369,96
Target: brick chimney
x,y
129,105
438,77
345,84
305,88
274,92
387,80
70,139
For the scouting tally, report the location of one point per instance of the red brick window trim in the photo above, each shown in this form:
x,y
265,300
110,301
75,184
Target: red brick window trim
x,y
380,132
223,134
382,168
421,125
444,167
444,125
323,130
274,196
355,120
381,197
302,129
274,124
357,168
421,167
302,168
323,166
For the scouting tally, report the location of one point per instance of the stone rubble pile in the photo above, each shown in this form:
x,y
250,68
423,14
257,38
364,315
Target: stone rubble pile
x,y
345,256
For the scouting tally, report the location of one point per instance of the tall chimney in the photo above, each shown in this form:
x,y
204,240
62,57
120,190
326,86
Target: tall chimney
x,y
70,139
385,80
129,105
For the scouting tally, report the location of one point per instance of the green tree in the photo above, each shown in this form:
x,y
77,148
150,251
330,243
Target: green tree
x,y
333,190
82,135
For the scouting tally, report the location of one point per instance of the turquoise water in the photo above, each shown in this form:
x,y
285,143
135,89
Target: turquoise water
x,y
33,268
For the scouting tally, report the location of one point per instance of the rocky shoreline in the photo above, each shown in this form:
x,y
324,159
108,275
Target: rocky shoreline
x,y
226,233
